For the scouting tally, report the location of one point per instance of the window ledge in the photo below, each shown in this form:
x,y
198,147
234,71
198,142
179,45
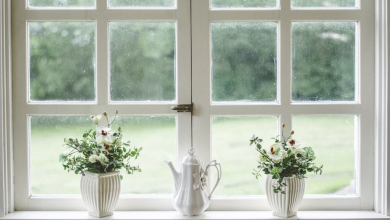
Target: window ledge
x,y
226,215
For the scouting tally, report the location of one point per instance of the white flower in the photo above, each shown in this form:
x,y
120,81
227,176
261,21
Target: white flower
x,y
273,150
96,119
103,159
93,158
275,158
104,136
292,142
283,154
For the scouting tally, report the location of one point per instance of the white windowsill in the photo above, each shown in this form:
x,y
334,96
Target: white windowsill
x,y
226,215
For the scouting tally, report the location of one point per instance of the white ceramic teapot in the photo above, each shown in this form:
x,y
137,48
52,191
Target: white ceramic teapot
x,y
190,196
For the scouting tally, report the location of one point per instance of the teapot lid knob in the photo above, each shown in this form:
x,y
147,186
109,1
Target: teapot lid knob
x,y
191,151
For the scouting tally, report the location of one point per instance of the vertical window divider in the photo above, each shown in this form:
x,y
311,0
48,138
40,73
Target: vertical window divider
x,y
285,67
102,70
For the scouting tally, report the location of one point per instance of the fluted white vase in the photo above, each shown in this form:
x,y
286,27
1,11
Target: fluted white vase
x,y
100,192
285,205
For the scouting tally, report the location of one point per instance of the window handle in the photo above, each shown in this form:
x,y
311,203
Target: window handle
x,y
183,108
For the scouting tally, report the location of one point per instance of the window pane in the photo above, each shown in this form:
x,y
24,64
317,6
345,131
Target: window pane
x,y
322,3
243,4
142,3
157,136
47,139
62,3
62,61
323,61
244,61
332,139
230,147
142,59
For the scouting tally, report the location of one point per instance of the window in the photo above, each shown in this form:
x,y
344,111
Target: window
x,y
247,66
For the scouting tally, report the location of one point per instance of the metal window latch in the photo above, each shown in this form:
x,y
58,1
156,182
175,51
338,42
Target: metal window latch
x,y
183,108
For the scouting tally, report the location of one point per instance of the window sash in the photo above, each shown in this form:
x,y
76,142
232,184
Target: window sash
x,y
201,95
284,108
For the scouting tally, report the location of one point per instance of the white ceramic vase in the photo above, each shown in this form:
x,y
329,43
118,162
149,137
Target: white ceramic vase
x,y
100,192
285,205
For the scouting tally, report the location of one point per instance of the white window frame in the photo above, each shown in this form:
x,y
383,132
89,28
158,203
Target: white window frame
x,y
382,155
363,107
24,108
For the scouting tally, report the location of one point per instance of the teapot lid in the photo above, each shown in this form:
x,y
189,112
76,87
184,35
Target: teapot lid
x,y
191,159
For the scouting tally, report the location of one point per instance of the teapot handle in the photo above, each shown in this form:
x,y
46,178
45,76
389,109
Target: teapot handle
x,y
219,170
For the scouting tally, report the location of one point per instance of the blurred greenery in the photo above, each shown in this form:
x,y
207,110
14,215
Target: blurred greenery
x,y
62,61
142,3
143,67
243,3
142,58
323,61
323,3
244,63
331,137
62,3
156,134
230,147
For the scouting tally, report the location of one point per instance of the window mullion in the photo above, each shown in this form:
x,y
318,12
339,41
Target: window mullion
x,y
284,66
102,71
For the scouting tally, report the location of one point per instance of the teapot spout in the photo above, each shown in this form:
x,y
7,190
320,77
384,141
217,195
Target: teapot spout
x,y
176,176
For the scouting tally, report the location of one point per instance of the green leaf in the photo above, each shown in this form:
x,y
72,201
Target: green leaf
x,y
63,158
258,146
119,129
121,177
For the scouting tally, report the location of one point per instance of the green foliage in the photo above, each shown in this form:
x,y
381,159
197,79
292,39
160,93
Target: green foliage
x,y
142,59
244,58
89,155
61,3
322,3
323,61
243,3
284,159
140,3
62,60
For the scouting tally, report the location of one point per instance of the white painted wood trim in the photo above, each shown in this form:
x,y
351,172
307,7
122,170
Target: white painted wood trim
x,y
23,108
208,215
283,107
6,176
382,175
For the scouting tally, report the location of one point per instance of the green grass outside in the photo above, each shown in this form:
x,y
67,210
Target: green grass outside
x,y
331,138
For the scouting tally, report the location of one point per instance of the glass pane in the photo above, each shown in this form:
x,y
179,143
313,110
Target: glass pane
x,y
332,139
230,147
142,58
322,3
46,145
323,61
62,3
244,61
62,61
157,136
47,139
243,3
142,3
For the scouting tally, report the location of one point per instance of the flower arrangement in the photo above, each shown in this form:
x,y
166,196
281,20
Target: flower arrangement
x,y
284,158
99,151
